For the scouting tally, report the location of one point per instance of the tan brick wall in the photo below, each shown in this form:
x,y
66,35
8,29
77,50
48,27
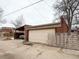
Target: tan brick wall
x,y
67,41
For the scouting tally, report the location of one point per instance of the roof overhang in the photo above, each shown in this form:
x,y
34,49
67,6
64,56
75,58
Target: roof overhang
x,y
45,26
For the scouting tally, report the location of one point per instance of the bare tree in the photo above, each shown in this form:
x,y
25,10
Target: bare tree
x,y
18,22
2,21
70,8
1,12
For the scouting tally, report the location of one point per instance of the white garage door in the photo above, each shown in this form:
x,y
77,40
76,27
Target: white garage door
x,y
42,36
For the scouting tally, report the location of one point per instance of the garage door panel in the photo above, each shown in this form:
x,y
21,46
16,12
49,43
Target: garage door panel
x,y
42,36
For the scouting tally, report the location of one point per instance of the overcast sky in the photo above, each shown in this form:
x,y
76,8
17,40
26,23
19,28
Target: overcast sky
x,y
40,13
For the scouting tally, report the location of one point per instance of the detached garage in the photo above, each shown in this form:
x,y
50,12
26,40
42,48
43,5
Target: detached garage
x,y
46,33
42,34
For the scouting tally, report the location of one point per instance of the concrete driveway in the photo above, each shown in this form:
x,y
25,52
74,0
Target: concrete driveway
x,y
14,49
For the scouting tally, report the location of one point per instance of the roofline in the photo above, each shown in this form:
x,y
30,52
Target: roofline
x,y
44,26
22,26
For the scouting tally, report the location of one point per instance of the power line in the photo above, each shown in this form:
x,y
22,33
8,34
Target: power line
x,y
39,12
23,8
47,4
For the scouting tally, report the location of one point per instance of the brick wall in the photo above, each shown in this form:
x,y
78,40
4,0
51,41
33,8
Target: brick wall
x,y
63,28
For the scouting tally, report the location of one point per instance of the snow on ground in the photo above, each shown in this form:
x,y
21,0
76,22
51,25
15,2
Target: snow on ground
x,y
14,49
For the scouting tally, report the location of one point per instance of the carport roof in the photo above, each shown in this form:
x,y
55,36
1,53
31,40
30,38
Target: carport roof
x,y
22,27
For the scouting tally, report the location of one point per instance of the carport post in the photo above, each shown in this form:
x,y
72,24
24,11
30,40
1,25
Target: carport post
x,y
26,32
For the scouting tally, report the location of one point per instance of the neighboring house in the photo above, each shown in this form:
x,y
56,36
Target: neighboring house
x,y
45,33
19,32
7,32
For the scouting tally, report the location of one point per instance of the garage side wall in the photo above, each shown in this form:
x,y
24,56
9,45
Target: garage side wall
x,y
46,36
